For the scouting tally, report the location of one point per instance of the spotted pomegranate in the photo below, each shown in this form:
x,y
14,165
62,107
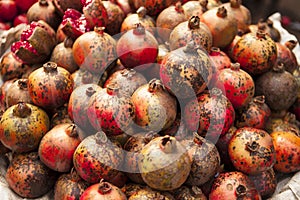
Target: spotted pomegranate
x,y
195,8
102,191
256,52
194,30
221,25
137,48
139,17
69,186
211,114
241,13
78,104
265,182
287,149
237,85
95,13
57,147
133,146
153,7
96,157
74,24
168,19
164,163
255,114
148,193
267,27
128,80
251,150
286,55
155,108
29,49
115,16
17,92
189,193
22,127
29,177
205,160
186,71
11,67
113,118
233,185
50,86
62,55
285,84
95,51
46,11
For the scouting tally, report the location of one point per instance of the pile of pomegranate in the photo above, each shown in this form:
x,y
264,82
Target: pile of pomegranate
x,y
134,99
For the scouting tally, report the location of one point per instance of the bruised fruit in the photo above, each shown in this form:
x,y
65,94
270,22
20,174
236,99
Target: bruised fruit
x,y
18,92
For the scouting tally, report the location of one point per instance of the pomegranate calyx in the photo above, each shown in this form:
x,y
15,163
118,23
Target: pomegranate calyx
x,y
260,34
259,99
155,85
279,68
101,137
240,190
90,91
72,131
235,3
235,66
167,144
149,136
178,7
203,4
43,3
22,110
222,12
252,146
215,51
194,22
197,139
139,29
74,175
141,12
68,42
50,67
99,30
291,44
22,84
104,187
128,73
112,89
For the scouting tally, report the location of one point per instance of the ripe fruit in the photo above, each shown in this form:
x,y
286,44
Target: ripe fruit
x,y
8,10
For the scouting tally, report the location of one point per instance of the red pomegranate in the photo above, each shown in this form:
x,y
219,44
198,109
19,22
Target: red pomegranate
x,y
251,150
233,186
115,16
95,13
153,7
50,86
211,114
20,19
8,10
57,147
23,6
137,48
237,85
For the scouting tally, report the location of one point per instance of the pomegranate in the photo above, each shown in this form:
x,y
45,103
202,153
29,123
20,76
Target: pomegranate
x,y
131,188
8,10
83,76
137,47
115,16
148,193
95,13
127,80
154,106
65,4
154,7
28,176
29,48
57,147
191,30
23,6
164,163
285,84
265,183
133,147
189,193
140,16
96,157
60,35
221,24
186,71
267,27
286,55
3,91
18,92
255,114
195,8
20,19
11,67
95,51
251,150
50,86
213,3
44,10
168,19
60,116
22,126
69,186
287,149
205,160
113,119
78,104
62,55
256,52
74,23
237,85
233,185
102,191
125,6
287,123
211,114
240,13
